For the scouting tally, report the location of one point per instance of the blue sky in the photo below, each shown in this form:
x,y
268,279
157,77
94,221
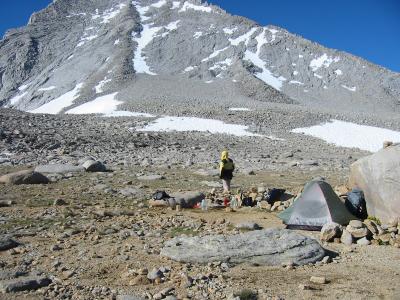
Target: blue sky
x,y
366,28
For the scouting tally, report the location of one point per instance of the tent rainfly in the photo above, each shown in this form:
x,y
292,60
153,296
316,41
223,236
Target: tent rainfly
x,y
317,205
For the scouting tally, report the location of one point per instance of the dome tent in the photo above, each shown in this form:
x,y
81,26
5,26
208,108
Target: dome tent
x,y
317,205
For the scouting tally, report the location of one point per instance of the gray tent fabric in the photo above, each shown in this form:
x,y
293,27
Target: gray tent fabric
x,y
317,205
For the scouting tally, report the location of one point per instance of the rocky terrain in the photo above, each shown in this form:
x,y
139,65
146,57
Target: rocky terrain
x,y
92,236
75,221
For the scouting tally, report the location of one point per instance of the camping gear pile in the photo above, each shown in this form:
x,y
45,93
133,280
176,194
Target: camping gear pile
x,y
268,199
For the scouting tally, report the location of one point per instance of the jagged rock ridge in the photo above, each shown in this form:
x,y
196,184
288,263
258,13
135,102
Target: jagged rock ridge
x,y
128,52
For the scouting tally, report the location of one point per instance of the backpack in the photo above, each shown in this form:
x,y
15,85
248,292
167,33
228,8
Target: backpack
x,y
274,195
160,195
355,203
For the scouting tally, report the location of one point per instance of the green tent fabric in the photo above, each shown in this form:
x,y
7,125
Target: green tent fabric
x,y
317,205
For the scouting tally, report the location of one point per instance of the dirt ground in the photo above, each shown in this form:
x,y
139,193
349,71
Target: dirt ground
x,y
102,237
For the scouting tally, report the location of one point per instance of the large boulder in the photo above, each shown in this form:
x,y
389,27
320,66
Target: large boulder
x,y
94,166
59,169
270,247
186,199
24,177
378,176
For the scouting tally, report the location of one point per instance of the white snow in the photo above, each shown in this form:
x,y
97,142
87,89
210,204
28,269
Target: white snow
x,y
50,88
190,68
145,38
101,105
112,13
318,76
243,38
159,4
293,64
222,64
230,30
325,87
295,73
176,4
214,54
301,56
86,39
14,100
58,104
168,124
197,34
99,87
296,82
209,81
265,75
322,61
124,113
351,135
338,72
188,5
239,109
23,87
105,105
116,42
70,57
274,32
351,89
172,26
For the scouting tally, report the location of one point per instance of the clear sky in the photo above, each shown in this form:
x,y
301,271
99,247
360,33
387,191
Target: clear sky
x,y
366,28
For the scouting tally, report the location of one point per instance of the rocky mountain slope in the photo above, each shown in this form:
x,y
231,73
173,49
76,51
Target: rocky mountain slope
x,y
148,53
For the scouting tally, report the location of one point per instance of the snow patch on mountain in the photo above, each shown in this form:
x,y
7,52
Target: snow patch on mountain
x,y
187,5
57,105
351,89
351,135
143,39
112,13
243,38
265,75
14,100
322,61
197,34
99,87
181,124
101,105
45,89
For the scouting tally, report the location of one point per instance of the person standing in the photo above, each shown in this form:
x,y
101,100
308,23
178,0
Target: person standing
x,y
226,168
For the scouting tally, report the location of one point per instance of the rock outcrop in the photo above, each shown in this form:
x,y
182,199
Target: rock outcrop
x,y
378,176
262,247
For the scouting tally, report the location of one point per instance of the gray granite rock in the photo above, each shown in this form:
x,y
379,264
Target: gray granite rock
x,y
7,243
59,169
264,247
24,284
24,177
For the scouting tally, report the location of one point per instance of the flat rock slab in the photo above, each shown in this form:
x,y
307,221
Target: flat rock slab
x,y
23,284
59,169
270,247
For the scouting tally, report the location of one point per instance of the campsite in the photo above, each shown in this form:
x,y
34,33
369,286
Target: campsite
x,y
199,150
99,236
